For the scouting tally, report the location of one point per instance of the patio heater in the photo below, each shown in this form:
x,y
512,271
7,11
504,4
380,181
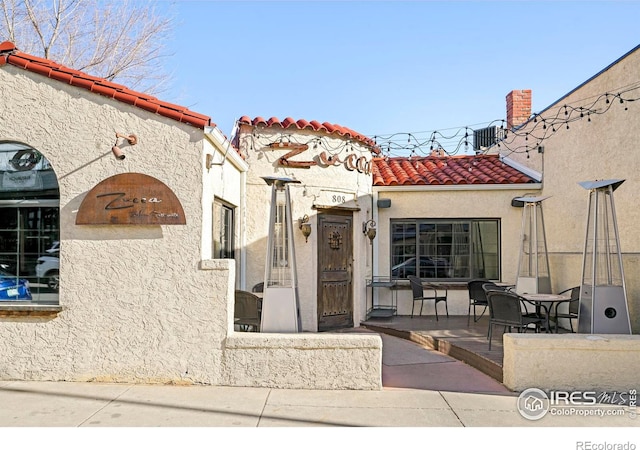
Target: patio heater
x,y
280,302
533,264
603,296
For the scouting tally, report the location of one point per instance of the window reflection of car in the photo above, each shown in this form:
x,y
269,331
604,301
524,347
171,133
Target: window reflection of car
x,y
429,268
13,288
55,248
48,267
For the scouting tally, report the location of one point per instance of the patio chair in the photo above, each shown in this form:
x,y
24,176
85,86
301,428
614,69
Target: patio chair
x,y
574,305
246,311
477,298
508,310
418,289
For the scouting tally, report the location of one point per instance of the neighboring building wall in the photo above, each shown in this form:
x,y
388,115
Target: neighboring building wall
x,y
600,149
320,187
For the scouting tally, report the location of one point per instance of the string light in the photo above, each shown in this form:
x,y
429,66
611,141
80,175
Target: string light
x,y
451,141
540,129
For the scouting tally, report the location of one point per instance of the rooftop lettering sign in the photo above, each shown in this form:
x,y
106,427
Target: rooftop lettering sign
x,y
351,162
130,199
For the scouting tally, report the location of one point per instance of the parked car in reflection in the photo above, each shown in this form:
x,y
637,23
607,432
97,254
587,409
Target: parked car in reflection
x,y
13,288
429,268
48,268
54,249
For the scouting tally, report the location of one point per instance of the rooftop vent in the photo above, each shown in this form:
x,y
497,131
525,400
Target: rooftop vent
x,y
486,137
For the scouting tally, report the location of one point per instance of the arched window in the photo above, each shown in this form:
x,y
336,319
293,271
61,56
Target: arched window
x,y
29,226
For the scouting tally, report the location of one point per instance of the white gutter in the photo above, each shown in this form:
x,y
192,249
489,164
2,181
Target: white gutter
x,y
522,168
223,145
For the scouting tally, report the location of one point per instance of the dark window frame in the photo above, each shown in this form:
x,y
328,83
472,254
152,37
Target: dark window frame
x,y
223,230
431,242
30,227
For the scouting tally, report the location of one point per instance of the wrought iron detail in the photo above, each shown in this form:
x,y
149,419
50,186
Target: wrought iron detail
x,y
335,240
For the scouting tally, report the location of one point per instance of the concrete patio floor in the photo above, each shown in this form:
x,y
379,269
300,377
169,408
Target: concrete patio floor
x,y
454,336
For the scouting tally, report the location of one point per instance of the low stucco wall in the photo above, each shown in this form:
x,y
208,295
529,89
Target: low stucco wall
x,y
303,361
571,362
182,344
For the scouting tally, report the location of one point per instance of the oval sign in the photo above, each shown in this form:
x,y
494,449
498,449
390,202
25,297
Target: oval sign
x,y
131,199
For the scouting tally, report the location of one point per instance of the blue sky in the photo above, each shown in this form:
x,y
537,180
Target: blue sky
x,y
388,67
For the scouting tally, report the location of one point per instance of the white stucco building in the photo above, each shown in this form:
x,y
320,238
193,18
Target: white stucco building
x,y
140,275
145,290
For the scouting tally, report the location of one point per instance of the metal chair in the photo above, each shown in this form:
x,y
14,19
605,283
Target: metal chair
x,y
418,290
574,305
506,309
477,298
247,311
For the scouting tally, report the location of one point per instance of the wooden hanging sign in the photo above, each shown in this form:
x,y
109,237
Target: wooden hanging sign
x,y
131,199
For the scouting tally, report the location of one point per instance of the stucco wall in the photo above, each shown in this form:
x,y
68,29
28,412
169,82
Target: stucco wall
x,y
566,362
600,149
143,303
224,180
136,305
479,202
318,186
321,361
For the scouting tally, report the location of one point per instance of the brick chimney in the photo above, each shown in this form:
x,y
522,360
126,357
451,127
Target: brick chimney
x,y
518,107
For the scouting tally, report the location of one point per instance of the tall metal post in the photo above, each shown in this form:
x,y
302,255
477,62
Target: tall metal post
x,y
533,263
603,294
280,302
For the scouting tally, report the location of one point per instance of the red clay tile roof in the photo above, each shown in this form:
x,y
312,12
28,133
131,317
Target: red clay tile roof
x,y
10,55
313,125
448,170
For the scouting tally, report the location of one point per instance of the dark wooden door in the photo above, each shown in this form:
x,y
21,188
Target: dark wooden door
x,y
335,263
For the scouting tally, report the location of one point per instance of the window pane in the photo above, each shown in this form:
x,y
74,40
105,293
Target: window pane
x,y
445,249
403,249
29,235
223,229
486,250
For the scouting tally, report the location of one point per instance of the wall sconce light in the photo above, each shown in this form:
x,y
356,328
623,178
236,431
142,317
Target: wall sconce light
x,y
132,139
305,227
369,229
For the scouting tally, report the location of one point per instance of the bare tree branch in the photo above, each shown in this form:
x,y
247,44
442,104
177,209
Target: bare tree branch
x,y
121,41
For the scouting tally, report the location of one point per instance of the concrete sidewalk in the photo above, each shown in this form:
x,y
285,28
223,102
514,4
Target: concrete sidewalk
x,y
423,388
43,404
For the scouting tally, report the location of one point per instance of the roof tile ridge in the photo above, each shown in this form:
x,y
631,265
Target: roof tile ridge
x,y
98,85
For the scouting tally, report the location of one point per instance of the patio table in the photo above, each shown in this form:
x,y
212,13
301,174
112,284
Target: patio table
x,y
546,302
